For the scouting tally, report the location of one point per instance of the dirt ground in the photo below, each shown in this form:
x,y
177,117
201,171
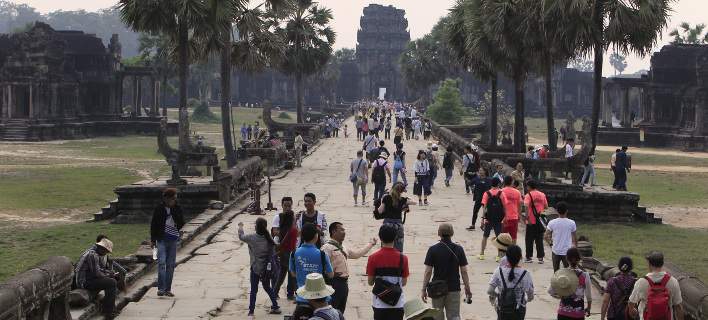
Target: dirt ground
x,y
684,217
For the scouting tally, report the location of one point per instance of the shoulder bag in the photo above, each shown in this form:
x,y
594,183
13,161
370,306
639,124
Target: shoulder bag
x,y
439,288
389,293
353,176
541,220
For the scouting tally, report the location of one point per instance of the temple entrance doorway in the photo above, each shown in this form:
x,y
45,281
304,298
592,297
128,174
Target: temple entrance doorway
x,y
21,106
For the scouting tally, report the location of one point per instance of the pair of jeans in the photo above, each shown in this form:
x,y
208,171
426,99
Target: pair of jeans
x,y
448,175
166,261
109,286
341,292
379,190
448,306
621,176
284,257
534,235
433,175
396,172
388,313
588,175
557,261
387,134
255,279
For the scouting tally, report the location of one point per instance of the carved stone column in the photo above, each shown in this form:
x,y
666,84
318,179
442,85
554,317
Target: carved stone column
x,y
155,96
31,107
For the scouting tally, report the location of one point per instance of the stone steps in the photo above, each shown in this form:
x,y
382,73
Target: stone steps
x,y
107,212
15,130
642,214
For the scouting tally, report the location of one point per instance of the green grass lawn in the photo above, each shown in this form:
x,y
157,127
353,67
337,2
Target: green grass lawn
x,y
645,159
663,188
22,250
127,148
682,247
61,187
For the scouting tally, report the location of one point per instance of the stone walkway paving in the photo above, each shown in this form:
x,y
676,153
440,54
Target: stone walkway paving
x,y
214,283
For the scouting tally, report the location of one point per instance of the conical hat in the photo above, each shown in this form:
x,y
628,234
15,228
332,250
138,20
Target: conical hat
x,y
417,309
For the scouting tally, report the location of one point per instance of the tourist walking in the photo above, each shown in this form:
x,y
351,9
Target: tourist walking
x,y
493,215
421,186
649,296
379,170
359,176
613,161
561,233
616,297
371,143
622,166
427,130
297,147
408,123
499,174
448,164
502,243
387,271
167,220
92,276
480,183
387,129
308,259
433,157
572,287
399,165
359,128
511,287
398,135
338,254
445,262
469,169
244,132
316,292
512,208
261,249
313,216
285,235
536,203
393,209
569,145
588,170
519,175
364,128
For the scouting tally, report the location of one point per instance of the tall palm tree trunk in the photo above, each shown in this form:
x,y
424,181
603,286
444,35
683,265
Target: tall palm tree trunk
x,y
299,88
493,130
184,144
519,127
549,107
597,78
226,101
163,92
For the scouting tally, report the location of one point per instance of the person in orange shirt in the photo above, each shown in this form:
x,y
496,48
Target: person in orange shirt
x,y
534,228
493,202
512,207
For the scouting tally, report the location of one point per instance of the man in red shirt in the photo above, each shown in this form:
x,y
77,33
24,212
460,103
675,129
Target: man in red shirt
x,y
387,265
534,228
493,202
512,207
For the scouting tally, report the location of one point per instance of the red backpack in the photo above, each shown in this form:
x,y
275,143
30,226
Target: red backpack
x,y
658,300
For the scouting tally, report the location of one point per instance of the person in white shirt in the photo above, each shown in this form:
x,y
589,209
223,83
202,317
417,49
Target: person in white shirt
x,y
569,145
297,147
421,187
561,233
370,143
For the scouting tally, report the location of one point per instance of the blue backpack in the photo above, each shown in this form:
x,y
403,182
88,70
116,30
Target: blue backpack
x,y
397,161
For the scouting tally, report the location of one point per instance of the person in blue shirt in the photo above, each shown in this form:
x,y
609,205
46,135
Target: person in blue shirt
x,y
305,260
480,184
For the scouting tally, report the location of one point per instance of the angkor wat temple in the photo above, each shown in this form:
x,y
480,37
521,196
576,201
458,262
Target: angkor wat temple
x,y
67,84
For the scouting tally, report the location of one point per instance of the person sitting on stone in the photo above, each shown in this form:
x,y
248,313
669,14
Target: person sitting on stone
x,y
111,265
90,275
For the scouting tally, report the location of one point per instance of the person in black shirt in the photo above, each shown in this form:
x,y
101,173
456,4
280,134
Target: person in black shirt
x,y
394,207
446,262
481,183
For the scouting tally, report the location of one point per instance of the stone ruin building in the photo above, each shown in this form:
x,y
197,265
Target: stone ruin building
x,y
667,107
68,84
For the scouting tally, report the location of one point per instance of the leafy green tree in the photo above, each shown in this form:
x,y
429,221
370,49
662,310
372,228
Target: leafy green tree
x,y
308,44
447,107
689,35
176,19
618,62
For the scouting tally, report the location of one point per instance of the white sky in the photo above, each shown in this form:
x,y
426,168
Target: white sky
x,y
421,14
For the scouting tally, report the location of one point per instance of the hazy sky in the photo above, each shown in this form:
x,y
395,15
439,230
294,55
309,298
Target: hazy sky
x,y
421,14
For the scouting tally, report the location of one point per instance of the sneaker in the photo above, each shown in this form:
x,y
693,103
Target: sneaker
x,y
355,204
425,202
529,260
291,298
169,294
481,257
251,316
275,311
540,261
470,228
496,259
160,293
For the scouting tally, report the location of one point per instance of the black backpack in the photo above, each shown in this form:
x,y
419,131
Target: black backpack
x,y
507,299
378,175
447,161
495,208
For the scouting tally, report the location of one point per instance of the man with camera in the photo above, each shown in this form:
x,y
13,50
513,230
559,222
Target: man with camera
x,y
445,262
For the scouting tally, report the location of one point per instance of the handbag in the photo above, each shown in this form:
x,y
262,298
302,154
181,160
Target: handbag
x,y
389,293
353,177
541,220
439,288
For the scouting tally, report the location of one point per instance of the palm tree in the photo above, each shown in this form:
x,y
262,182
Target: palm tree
x,y
175,19
476,51
627,26
308,44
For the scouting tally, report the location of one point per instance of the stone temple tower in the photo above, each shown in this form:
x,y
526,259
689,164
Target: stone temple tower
x,y
381,39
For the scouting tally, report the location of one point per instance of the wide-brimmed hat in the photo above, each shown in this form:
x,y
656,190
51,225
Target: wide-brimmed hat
x,y
315,288
417,309
564,282
503,241
383,155
106,244
474,147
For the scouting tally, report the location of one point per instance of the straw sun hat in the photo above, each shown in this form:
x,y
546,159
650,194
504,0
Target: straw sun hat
x,y
416,309
502,241
564,282
315,288
106,244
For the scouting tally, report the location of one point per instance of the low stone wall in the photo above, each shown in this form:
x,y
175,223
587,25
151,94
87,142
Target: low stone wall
x,y
89,129
273,158
39,293
619,137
